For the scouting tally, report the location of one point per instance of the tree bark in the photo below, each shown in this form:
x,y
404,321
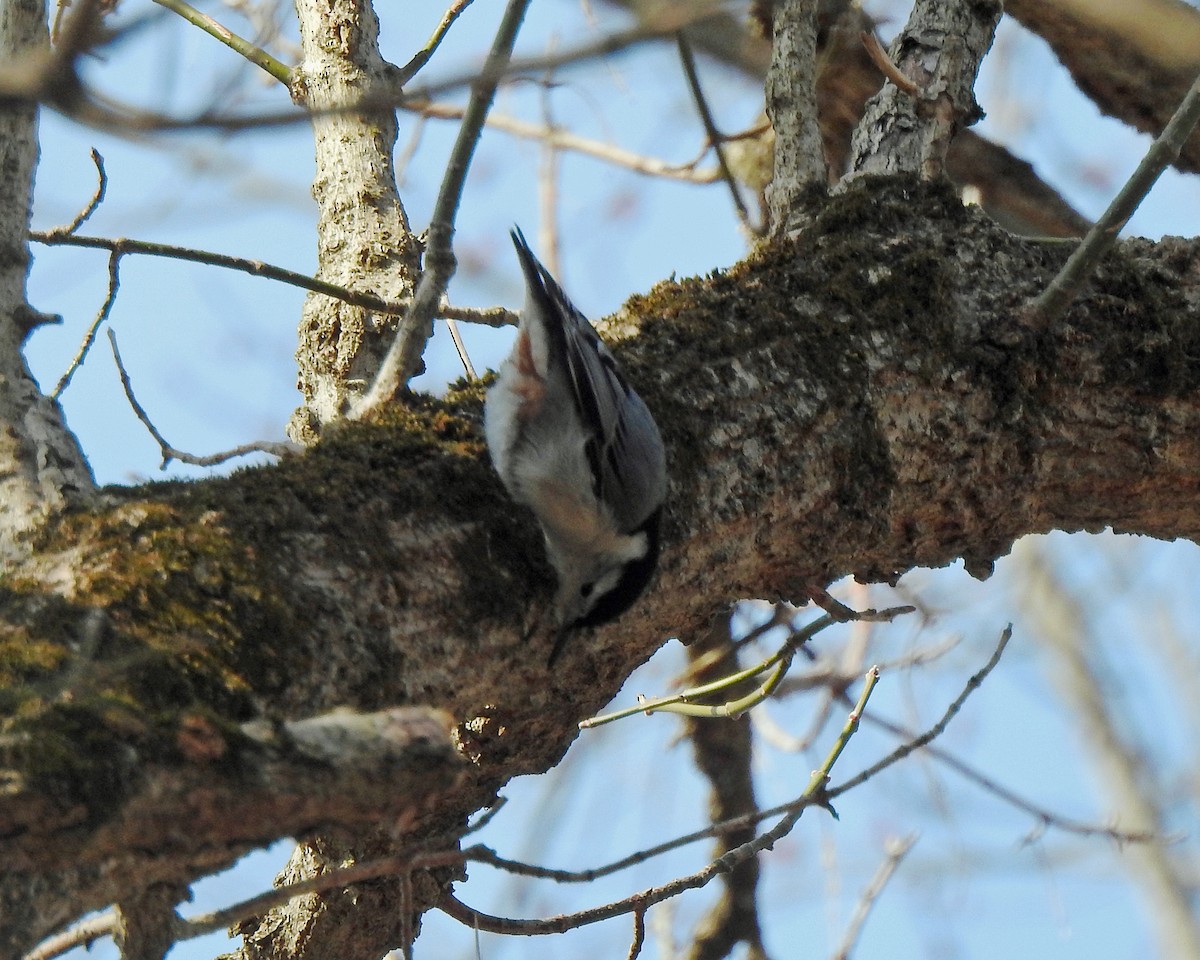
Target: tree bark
x,y
940,51
363,237
862,400
41,466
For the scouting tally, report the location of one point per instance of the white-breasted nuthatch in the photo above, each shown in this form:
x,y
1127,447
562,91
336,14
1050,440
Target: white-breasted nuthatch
x,y
572,440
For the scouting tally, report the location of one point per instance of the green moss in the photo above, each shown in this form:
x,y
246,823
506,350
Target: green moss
x,y
184,596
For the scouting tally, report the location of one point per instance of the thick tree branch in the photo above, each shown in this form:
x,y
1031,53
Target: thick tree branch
x,y
1134,59
225,789
862,401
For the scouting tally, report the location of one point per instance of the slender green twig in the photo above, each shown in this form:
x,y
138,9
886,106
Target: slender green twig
x,y
732,708
416,326
255,54
820,776
421,57
915,743
778,663
1163,152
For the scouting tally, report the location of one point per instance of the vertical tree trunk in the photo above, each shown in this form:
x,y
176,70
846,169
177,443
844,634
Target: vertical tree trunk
x,y
41,465
363,237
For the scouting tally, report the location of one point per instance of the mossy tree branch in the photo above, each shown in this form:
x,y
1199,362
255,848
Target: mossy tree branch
x,y
863,400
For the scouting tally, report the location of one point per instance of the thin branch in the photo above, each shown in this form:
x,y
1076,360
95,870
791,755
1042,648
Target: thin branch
x,y
416,326
489,316
93,203
792,107
59,87
814,793
255,54
257,268
639,934
715,138
548,170
82,934
896,851
973,684
461,349
1055,299
413,67
114,284
777,663
169,452
885,65
485,316
565,140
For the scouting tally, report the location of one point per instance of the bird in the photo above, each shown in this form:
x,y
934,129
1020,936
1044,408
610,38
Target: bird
x,y
571,439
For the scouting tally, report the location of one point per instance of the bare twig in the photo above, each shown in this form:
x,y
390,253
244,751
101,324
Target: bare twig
x,y
885,65
896,851
416,326
639,934
114,283
489,316
255,54
715,138
548,183
1164,151
421,57
94,202
915,743
82,934
461,348
563,139
59,87
814,793
169,452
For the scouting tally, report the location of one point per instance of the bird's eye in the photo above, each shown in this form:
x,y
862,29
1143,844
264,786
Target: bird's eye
x,y
586,590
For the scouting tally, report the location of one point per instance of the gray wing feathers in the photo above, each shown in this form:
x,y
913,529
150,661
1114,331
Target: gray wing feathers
x,y
623,447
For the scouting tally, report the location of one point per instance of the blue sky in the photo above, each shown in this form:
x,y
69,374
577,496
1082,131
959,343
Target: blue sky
x,y
210,354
